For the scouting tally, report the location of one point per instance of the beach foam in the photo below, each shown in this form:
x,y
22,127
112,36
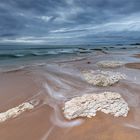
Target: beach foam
x,y
102,78
88,104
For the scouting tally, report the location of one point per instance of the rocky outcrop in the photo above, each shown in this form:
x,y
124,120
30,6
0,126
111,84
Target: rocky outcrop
x,y
102,78
110,64
87,105
16,111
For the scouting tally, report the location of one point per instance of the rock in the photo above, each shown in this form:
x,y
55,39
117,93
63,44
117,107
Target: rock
x,y
16,111
88,104
88,62
135,44
102,78
110,64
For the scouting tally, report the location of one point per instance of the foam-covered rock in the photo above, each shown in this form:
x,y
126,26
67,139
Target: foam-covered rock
x,y
16,111
110,64
88,104
102,78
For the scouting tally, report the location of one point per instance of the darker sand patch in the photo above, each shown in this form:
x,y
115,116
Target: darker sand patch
x,y
136,55
133,65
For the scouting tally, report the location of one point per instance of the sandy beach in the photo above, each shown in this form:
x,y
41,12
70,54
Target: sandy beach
x,y
52,84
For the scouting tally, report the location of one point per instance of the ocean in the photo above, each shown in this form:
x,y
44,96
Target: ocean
x,y
17,53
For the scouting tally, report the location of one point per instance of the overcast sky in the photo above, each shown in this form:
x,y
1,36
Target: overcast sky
x,y
69,21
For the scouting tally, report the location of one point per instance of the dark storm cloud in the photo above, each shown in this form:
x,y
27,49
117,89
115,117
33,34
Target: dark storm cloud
x,y
69,21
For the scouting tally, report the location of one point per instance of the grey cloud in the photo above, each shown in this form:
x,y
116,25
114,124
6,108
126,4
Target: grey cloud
x,y
63,21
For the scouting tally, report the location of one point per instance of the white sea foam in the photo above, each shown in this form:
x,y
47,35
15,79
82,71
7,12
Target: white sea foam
x,y
57,118
12,69
59,121
45,137
134,126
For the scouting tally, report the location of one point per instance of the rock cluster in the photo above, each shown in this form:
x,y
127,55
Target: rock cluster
x,y
14,112
110,64
88,104
102,78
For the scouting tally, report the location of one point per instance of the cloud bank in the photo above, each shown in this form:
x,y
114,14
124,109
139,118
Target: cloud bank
x,y
69,21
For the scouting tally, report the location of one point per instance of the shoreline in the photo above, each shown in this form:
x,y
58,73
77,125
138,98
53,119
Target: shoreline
x,y
54,83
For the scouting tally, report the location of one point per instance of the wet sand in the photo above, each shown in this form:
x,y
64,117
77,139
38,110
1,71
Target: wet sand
x,y
55,83
137,55
133,65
